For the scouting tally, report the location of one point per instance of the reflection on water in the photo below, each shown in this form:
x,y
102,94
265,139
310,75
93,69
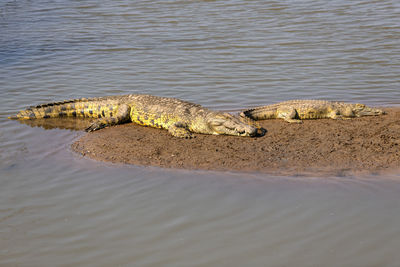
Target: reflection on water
x,y
58,208
76,124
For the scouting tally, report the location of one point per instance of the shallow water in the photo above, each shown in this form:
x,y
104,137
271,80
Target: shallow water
x,y
57,208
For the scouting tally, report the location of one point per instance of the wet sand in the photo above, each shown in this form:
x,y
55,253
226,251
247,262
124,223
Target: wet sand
x,y
315,147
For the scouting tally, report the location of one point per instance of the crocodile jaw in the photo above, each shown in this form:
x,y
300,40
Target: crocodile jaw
x,y
362,110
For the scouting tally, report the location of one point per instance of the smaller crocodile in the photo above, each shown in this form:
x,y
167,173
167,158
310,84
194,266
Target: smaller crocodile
x,y
294,111
179,117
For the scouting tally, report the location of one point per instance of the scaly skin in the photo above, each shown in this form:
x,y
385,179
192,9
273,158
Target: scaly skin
x,y
179,117
294,111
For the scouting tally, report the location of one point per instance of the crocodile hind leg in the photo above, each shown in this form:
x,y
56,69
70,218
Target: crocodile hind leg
x,y
180,130
288,114
346,114
122,116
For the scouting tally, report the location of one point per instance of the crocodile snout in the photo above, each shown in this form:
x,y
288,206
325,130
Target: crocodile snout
x,y
247,131
253,131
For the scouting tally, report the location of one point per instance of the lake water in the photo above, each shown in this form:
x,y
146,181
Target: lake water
x,y
59,209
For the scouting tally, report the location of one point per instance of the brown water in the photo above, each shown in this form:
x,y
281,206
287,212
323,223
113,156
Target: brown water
x,y
58,209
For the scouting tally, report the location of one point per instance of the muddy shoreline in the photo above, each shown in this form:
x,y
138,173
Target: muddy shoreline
x,y
316,147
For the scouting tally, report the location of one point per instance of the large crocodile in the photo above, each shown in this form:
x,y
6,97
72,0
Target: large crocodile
x,y
179,117
294,111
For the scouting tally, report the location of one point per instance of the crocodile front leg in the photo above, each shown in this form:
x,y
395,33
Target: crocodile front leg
x,y
180,130
122,116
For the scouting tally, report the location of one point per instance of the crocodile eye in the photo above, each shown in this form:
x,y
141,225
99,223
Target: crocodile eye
x,y
216,123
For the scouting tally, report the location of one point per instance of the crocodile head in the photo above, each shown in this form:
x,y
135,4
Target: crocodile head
x,y
224,123
360,110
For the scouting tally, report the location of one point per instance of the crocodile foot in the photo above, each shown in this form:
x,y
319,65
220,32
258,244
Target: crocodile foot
x,y
180,130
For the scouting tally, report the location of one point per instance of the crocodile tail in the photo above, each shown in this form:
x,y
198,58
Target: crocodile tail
x,y
253,113
246,113
27,114
49,110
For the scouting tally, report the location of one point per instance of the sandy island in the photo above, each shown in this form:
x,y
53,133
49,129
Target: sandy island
x,y
316,147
